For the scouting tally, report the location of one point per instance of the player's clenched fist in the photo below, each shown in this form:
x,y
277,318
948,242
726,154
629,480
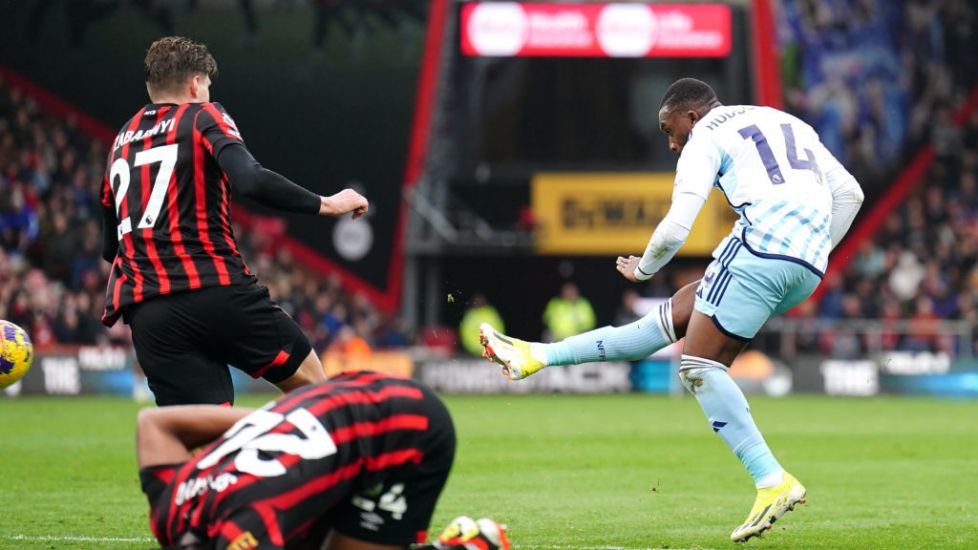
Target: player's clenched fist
x,y
344,202
627,267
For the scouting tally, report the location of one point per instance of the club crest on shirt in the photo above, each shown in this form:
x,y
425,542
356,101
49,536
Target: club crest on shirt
x,y
233,128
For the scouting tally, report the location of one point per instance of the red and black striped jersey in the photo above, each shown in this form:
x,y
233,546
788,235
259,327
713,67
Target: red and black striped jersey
x,y
172,204
306,460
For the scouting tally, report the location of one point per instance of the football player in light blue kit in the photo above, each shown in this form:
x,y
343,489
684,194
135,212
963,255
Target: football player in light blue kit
x,y
795,202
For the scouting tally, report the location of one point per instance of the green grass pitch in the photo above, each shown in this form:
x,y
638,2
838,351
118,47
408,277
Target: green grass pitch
x,y
617,472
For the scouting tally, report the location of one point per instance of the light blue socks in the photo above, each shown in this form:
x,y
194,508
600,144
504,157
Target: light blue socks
x,y
718,395
630,342
729,416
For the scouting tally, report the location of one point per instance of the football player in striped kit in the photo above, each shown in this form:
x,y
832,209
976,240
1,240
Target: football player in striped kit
x,y
795,202
353,463
177,277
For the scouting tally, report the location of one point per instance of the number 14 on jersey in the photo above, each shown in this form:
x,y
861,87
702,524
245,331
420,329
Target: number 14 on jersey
x,y
754,133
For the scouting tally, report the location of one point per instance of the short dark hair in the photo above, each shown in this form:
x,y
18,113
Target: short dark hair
x,y
687,92
171,60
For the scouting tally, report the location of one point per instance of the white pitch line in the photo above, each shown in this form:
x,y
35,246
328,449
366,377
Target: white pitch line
x,y
70,538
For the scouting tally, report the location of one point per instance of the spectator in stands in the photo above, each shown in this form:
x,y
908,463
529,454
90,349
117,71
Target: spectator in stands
x,y
567,314
478,312
870,262
71,327
923,328
393,333
626,311
59,247
906,277
831,303
349,343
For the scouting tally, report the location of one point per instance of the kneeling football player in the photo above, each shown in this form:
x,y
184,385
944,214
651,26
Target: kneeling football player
x,y
353,463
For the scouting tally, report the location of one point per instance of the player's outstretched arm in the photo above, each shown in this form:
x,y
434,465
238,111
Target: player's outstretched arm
x,y
269,188
166,435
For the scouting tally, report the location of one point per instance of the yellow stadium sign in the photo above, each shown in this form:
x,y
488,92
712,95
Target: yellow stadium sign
x,y
615,213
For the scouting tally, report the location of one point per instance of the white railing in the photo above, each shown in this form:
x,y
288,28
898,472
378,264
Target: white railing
x,y
849,338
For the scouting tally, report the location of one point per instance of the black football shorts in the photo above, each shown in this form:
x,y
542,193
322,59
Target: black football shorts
x,y
186,341
397,510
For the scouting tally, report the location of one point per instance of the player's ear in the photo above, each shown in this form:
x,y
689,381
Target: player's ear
x,y
693,116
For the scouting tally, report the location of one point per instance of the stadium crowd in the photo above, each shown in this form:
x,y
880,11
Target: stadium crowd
x,y
52,276
873,75
922,265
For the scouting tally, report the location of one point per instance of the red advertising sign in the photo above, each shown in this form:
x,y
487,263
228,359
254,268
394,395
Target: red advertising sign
x,y
516,29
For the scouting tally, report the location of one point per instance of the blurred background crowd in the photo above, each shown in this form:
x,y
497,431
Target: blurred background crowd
x,y
876,78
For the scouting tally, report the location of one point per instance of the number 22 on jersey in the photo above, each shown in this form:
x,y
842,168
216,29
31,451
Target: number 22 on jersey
x,y
166,155
250,437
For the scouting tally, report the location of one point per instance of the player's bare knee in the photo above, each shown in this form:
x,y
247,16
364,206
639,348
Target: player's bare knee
x,y
310,371
312,368
309,376
146,418
682,308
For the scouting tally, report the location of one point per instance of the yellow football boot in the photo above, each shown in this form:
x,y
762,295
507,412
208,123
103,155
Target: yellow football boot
x,y
770,505
514,355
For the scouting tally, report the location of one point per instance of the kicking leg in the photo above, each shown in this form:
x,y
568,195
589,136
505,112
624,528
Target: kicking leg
x,y
662,326
630,342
